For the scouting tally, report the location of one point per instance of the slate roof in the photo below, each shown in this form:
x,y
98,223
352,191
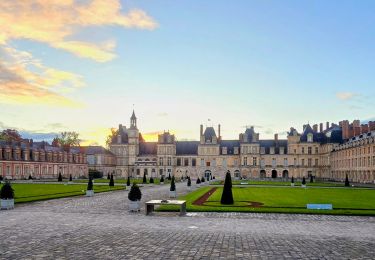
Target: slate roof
x,y
96,150
330,135
209,133
186,147
147,148
267,144
229,144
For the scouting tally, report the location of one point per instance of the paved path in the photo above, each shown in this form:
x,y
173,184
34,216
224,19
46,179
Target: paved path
x,y
101,228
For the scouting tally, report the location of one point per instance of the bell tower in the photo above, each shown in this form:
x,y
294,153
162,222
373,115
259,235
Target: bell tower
x,y
133,121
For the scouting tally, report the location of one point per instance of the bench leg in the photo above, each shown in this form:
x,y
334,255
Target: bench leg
x,y
183,210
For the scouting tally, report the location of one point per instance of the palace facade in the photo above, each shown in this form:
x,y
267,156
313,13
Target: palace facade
x,y
19,160
326,153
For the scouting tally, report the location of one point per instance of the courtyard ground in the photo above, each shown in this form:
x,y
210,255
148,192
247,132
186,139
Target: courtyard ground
x,y
101,228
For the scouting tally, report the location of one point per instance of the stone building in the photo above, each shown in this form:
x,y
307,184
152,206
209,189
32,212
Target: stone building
x,y
314,152
19,160
100,159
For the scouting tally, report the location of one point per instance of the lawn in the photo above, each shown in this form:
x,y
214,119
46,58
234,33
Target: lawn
x,y
279,183
34,192
345,201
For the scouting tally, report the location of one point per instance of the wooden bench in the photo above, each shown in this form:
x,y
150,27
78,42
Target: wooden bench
x,y
150,205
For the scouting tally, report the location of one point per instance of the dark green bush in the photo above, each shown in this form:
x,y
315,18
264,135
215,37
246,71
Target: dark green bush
x,y
227,195
135,193
7,191
128,181
111,181
90,185
347,183
151,180
303,181
173,185
60,177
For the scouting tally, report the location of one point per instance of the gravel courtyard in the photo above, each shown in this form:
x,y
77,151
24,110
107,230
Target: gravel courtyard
x,y
102,228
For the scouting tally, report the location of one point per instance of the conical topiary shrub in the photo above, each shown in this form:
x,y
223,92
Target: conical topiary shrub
x,y
144,178
292,179
188,182
60,177
30,177
151,180
311,178
173,185
70,178
227,196
347,183
162,180
303,182
169,176
108,177
90,185
111,181
203,179
128,181
135,193
7,191
198,181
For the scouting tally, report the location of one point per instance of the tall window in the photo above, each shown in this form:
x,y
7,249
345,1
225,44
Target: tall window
x,y
309,162
303,149
254,161
316,150
161,161
186,162
309,150
303,162
169,161
316,162
178,161
202,162
273,162
245,161
193,162
285,162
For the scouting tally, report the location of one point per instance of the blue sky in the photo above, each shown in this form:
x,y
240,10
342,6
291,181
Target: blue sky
x,y
272,64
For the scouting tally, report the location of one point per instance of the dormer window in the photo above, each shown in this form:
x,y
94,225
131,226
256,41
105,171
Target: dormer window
x,y
310,137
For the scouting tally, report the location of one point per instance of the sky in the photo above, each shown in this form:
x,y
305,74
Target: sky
x,y
83,66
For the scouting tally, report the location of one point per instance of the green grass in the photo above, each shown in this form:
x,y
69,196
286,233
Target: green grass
x,y
345,201
34,192
280,183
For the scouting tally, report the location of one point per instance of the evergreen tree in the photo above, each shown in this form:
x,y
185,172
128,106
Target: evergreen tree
x,y
111,181
188,182
144,178
108,177
173,185
292,179
203,180
311,178
90,185
151,180
135,193
198,181
162,179
303,181
30,177
70,178
60,177
227,196
128,181
169,176
347,184
7,191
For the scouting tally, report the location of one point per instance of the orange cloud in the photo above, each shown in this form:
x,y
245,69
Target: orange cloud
x,y
56,22
24,79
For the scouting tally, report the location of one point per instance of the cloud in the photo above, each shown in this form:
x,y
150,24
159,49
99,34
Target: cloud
x,y
25,80
346,95
56,22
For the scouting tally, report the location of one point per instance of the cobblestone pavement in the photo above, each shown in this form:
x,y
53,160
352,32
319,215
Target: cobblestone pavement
x,y
102,228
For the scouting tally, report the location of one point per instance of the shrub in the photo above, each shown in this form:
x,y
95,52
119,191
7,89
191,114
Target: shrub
x,y
111,181
169,176
135,193
311,179
1,177
128,181
213,177
70,178
95,174
188,182
347,184
198,181
60,177
173,185
303,181
203,180
292,179
162,179
7,191
108,177
144,178
151,180
90,185
227,196
30,177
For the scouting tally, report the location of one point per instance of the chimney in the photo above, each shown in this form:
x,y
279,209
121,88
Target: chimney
x,y
276,137
357,130
201,130
219,130
321,127
327,125
315,128
364,129
371,125
345,129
